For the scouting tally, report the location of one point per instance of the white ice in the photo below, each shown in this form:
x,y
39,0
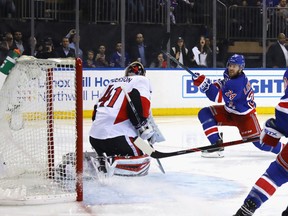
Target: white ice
x,y
192,185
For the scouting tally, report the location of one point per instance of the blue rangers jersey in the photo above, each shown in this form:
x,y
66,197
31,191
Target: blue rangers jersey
x,y
281,114
236,93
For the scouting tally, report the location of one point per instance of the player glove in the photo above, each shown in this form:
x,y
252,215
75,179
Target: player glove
x,y
145,130
201,81
219,83
269,134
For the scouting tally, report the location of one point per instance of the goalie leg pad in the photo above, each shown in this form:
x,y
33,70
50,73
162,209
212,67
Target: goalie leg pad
x,y
121,165
131,165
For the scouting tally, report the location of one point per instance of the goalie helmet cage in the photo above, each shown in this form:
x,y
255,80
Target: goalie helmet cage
x,y
41,136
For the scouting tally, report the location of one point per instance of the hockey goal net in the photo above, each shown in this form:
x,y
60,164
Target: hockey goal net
x,y
41,132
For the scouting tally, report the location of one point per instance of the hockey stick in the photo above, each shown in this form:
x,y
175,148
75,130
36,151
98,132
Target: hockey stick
x,y
139,122
157,154
179,63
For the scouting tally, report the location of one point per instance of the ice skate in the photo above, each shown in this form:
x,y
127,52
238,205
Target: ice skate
x,y
247,209
214,153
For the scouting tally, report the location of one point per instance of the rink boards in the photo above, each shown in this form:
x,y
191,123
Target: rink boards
x,y
173,89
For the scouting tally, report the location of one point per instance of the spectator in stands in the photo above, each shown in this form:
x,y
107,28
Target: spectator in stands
x,y
18,42
31,48
219,60
100,58
8,38
277,54
282,15
173,5
141,52
46,50
160,62
89,61
181,53
116,58
6,45
64,51
73,40
4,49
185,11
202,54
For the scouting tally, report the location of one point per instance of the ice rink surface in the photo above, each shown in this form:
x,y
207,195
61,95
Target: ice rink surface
x,y
192,186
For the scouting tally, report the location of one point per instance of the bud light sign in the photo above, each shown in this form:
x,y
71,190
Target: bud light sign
x,y
264,86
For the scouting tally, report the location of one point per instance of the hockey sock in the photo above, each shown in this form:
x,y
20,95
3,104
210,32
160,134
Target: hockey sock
x,y
268,183
209,125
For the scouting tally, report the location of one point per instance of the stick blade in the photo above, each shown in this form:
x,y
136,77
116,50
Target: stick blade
x,y
144,146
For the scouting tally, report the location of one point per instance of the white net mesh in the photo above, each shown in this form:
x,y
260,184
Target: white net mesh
x,y
38,127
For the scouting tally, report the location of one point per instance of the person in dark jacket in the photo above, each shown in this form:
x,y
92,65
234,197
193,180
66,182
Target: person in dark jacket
x,y
277,54
64,51
141,52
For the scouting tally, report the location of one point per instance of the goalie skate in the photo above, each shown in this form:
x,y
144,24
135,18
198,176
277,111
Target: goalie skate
x,y
99,173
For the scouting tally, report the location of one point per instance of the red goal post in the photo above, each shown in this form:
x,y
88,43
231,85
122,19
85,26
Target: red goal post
x,y
41,136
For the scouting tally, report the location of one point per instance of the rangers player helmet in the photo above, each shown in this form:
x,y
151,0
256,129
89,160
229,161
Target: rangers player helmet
x,y
135,68
237,60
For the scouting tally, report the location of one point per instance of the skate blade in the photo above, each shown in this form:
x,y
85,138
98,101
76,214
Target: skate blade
x,y
216,154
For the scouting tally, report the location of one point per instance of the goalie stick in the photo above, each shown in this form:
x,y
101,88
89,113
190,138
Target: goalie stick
x,y
139,122
141,144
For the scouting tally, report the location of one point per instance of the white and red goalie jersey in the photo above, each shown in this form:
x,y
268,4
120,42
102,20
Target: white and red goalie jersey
x,y
111,113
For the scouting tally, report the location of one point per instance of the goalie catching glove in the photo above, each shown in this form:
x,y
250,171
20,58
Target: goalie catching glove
x,y
269,134
201,81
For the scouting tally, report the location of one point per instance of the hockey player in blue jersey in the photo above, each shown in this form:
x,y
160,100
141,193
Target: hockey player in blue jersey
x,y
238,110
277,173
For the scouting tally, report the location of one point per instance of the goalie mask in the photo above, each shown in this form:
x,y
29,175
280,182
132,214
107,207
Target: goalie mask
x,y
135,68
